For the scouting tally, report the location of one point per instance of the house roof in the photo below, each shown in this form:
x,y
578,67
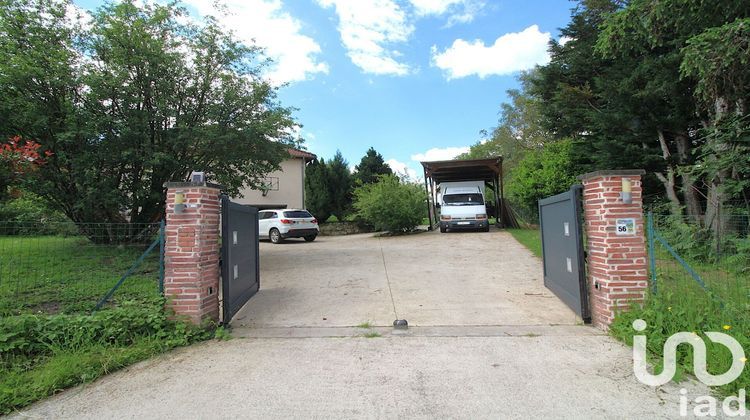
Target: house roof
x,y
464,170
296,153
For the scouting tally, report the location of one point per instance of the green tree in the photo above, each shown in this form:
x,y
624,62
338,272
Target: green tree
x,y
390,204
371,165
542,173
697,50
340,186
138,99
317,193
718,60
519,128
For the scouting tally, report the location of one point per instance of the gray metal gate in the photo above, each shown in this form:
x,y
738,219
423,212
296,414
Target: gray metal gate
x,y
240,259
562,247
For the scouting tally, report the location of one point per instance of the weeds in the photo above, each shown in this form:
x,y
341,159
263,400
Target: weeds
x,y
365,325
42,354
372,334
668,313
222,334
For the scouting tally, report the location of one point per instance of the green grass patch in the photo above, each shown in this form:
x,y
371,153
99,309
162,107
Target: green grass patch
x,y
372,334
43,354
69,274
667,314
530,238
680,304
366,324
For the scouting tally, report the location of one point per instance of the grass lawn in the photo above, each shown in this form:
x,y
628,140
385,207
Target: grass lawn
x,y
50,340
530,238
58,274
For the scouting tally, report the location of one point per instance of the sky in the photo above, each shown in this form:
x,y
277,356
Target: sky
x,y
415,79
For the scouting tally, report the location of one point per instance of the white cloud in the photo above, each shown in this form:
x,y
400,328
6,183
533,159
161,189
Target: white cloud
x,y
564,40
401,168
460,11
510,53
265,21
446,153
367,28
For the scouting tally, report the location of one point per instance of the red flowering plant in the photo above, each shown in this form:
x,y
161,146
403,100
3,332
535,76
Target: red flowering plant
x,y
22,156
18,159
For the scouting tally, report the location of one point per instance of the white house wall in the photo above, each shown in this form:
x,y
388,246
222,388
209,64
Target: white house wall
x,y
291,187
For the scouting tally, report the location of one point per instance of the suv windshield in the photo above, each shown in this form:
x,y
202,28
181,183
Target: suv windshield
x,y
463,199
300,214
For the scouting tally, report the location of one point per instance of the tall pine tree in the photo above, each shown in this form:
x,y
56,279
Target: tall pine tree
x,y
371,165
317,195
340,185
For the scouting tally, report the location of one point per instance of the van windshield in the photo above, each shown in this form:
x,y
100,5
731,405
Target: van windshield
x,y
463,199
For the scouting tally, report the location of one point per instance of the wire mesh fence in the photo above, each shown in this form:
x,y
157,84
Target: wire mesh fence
x,y
68,268
702,260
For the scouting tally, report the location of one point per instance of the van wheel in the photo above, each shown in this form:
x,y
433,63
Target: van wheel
x,y
275,236
443,229
486,228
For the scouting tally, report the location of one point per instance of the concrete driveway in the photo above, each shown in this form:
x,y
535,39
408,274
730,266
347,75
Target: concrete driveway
x,y
486,341
429,279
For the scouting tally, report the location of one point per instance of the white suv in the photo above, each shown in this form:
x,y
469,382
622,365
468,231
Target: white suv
x,y
278,225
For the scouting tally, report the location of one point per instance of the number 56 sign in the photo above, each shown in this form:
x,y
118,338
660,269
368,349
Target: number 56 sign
x,y
625,227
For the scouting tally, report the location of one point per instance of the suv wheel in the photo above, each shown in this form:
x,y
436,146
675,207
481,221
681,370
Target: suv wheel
x,y
275,236
310,238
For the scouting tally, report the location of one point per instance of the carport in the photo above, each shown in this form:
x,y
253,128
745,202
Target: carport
x,y
489,170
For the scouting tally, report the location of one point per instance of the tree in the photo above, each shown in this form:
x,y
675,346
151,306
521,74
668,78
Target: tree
x,y
138,99
519,128
340,185
718,59
542,173
699,50
317,193
390,204
371,165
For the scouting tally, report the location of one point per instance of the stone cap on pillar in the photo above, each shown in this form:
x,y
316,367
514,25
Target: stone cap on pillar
x,y
192,185
611,172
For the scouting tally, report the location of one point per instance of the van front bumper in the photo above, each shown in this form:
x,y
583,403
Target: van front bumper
x,y
464,224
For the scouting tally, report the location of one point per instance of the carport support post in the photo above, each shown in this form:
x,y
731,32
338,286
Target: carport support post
x,y
429,206
617,268
191,264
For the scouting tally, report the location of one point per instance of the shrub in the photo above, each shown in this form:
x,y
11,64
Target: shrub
x,y
390,204
542,173
28,214
42,354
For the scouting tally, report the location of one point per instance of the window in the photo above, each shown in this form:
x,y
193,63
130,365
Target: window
x,y
299,214
463,199
266,215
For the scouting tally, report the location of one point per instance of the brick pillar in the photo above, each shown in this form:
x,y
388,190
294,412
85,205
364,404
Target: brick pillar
x,y
191,264
617,267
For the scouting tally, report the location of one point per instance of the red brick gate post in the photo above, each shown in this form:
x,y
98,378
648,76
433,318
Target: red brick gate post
x,y
191,263
616,246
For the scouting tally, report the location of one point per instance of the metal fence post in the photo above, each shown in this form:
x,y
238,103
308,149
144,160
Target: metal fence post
x,y
162,228
651,251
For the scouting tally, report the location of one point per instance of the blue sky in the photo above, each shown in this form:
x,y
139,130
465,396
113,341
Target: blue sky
x,y
416,79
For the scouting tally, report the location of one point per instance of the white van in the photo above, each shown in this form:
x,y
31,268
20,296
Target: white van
x,y
462,206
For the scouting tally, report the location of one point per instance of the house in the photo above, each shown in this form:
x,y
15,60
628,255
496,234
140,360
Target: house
x,y
283,189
